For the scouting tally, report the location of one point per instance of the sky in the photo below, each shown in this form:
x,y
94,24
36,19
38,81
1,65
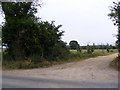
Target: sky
x,y
85,21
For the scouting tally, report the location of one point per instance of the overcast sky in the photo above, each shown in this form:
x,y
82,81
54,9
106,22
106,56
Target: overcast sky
x,y
83,20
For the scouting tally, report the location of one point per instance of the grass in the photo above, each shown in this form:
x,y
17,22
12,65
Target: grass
x,y
88,55
96,50
116,63
73,56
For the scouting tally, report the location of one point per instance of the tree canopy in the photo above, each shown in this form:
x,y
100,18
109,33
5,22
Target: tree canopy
x,y
74,44
115,16
25,35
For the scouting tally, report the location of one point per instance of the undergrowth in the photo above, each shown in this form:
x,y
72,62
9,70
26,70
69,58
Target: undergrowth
x,y
37,62
116,63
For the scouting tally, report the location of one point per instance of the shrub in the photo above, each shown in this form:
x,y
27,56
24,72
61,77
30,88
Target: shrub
x,y
116,63
59,51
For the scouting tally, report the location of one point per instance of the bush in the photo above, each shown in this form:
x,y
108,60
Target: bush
x,y
116,63
59,51
59,55
111,50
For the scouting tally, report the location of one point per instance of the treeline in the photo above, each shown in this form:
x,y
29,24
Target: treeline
x,y
95,47
90,48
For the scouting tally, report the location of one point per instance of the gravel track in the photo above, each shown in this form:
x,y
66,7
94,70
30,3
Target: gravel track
x,y
92,69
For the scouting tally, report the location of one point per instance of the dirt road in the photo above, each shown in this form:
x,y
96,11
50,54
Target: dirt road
x,y
93,69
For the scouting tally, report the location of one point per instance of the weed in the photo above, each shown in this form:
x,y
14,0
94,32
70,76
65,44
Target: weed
x,y
35,61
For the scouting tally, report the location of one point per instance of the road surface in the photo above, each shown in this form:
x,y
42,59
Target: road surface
x,y
89,73
12,81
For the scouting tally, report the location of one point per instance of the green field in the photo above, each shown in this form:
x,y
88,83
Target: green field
x,y
95,51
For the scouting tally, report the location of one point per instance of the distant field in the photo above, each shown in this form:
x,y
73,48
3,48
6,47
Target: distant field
x,y
96,50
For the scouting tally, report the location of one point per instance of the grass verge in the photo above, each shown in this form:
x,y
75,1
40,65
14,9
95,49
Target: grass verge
x,y
116,63
29,64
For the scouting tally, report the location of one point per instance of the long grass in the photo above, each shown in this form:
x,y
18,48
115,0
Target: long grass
x,y
73,56
116,63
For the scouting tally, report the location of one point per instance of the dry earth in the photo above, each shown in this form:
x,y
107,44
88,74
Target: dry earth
x,y
93,69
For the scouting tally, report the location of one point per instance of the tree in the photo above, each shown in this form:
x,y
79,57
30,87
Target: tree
x,y
93,48
49,36
19,20
108,47
59,51
115,16
25,35
88,48
0,37
74,45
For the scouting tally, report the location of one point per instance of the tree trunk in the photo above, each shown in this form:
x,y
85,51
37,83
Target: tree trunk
x,y
18,51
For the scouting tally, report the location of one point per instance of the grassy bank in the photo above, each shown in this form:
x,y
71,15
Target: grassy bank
x,y
116,63
73,56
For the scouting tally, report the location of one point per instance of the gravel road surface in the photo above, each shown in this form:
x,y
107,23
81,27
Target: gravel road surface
x,y
90,70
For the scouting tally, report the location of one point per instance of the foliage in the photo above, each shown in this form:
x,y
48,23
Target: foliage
x,y
27,64
88,49
0,36
116,63
20,20
108,48
93,48
74,45
25,36
115,12
115,16
60,51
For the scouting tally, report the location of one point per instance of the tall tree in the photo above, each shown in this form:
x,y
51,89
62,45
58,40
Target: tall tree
x,y
19,19
24,35
115,16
